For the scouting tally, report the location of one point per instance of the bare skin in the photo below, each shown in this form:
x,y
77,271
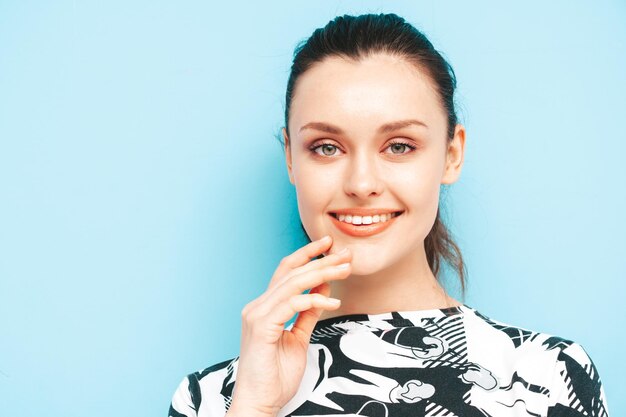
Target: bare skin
x,y
390,271
358,168
272,360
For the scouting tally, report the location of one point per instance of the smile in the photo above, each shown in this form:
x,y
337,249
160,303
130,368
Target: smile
x,y
356,219
363,225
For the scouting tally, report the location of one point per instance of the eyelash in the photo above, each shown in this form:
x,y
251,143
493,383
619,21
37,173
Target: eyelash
x,y
319,145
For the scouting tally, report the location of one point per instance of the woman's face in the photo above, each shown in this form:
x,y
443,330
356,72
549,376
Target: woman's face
x,y
370,157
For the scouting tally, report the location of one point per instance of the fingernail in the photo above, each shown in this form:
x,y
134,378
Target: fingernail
x,y
325,238
343,251
333,300
343,266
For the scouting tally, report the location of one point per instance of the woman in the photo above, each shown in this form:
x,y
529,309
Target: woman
x,y
370,136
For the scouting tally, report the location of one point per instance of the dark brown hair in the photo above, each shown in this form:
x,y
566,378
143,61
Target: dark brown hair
x,y
357,37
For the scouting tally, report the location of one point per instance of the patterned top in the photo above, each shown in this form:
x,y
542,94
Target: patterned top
x,y
442,362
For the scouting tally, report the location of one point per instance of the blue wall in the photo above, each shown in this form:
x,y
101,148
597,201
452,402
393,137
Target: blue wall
x,y
144,198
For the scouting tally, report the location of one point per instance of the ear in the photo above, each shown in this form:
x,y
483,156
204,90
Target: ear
x,y
454,156
288,154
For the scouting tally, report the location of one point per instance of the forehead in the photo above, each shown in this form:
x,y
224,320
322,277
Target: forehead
x,y
361,95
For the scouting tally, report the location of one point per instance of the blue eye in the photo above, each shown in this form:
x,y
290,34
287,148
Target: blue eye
x,y
325,147
328,149
401,146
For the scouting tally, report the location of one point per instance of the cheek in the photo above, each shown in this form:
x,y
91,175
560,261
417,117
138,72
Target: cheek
x,y
307,202
427,203
415,181
315,189
418,186
315,181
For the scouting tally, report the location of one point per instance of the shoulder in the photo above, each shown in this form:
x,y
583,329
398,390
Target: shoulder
x,y
576,384
205,392
519,337
562,365
222,370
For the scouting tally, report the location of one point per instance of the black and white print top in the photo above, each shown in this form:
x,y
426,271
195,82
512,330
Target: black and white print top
x,y
442,362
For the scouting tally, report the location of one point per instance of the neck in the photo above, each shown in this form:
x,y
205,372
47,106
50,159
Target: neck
x,y
403,286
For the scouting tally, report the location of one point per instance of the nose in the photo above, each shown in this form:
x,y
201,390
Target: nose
x,y
362,179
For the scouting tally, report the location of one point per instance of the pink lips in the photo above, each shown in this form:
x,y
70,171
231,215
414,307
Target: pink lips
x,y
363,211
365,229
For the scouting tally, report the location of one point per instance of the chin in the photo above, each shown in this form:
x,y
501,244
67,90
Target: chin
x,y
363,264
364,270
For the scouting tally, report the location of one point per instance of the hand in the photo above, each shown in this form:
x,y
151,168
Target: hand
x,y
272,360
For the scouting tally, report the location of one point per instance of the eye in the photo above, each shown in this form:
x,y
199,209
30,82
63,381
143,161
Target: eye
x,y
400,146
327,149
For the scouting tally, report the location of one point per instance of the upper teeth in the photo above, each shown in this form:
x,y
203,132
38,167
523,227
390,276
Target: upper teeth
x,y
376,218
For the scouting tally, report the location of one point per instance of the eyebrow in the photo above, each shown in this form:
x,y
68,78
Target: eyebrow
x,y
386,128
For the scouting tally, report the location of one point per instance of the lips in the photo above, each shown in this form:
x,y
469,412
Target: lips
x,y
362,211
378,215
363,230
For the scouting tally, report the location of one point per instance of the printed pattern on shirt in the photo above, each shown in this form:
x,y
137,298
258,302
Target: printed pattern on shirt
x,y
448,362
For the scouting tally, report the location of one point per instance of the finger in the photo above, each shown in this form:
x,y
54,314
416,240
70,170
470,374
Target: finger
x,y
300,257
344,256
301,282
310,307
307,279
273,307
323,288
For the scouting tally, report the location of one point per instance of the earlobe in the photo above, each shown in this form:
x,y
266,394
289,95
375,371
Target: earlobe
x,y
455,156
288,154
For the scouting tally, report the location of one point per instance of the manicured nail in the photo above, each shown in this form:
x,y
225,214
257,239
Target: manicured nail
x,y
325,238
333,300
343,266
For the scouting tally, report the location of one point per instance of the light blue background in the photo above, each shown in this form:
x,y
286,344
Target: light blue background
x,y
145,200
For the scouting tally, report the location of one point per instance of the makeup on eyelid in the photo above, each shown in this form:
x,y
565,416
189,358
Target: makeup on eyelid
x,y
313,148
